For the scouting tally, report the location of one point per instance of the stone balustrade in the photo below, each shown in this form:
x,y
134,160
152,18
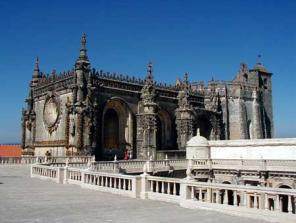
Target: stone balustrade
x,y
107,182
56,161
70,159
20,160
46,172
136,166
243,164
273,204
161,188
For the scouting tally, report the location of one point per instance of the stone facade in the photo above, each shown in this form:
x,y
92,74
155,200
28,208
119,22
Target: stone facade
x,y
86,111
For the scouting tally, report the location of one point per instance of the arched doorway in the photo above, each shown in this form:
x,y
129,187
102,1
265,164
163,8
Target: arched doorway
x,y
284,200
118,129
111,130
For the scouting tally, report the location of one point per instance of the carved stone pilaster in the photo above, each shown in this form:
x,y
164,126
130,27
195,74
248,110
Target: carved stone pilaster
x,y
256,117
184,124
147,119
242,118
184,115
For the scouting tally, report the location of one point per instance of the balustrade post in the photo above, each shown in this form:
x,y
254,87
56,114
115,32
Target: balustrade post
x,y
255,201
235,198
200,194
162,187
245,199
266,206
119,183
209,195
192,193
277,203
124,184
110,181
151,186
157,186
225,200
66,175
174,189
169,188
290,209
217,196
145,185
82,177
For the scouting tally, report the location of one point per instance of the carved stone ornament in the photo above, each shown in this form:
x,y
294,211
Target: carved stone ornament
x,y
51,113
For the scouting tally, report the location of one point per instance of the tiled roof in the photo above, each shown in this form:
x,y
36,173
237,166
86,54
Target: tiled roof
x,y
10,150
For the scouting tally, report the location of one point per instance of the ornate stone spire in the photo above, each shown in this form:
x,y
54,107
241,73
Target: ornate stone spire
x,y
149,76
36,68
83,54
186,83
36,73
183,94
148,90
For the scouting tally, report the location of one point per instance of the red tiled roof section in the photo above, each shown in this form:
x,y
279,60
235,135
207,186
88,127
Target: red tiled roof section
x,y
10,150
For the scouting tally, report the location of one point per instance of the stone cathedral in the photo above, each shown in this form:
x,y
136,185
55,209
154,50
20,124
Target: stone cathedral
x,y
86,111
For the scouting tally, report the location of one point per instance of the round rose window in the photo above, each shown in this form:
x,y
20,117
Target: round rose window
x,y
51,112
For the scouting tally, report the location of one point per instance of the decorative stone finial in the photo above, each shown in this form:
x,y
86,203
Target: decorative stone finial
x,y
149,76
36,73
83,55
188,173
115,158
186,77
197,132
83,41
36,68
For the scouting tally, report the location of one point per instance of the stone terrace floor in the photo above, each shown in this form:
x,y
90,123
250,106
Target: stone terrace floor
x,y
23,199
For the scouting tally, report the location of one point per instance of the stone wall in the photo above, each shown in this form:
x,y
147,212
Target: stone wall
x,y
267,149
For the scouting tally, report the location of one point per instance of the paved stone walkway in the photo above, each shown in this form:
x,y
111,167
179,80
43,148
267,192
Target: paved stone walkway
x,y
26,200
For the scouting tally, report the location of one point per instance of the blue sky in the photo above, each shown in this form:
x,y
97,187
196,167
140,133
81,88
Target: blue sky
x,y
205,38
